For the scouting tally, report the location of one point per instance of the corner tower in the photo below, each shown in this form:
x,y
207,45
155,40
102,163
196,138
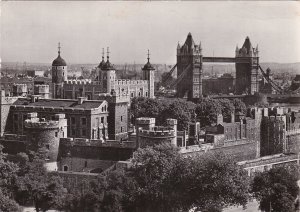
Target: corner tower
x,y
189,69
59,75
246,66
107,75
148,74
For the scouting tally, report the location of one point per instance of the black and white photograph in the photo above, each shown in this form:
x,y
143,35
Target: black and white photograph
x,y
150,106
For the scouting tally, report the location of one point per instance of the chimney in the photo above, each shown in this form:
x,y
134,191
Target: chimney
x,y
35,98
81,100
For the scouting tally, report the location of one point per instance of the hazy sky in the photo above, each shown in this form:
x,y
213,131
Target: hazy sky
x,y
30,31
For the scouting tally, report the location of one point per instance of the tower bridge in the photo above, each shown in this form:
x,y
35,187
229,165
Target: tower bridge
x,y
190,69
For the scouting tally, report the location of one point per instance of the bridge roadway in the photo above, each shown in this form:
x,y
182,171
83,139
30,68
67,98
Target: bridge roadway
x,y
226,59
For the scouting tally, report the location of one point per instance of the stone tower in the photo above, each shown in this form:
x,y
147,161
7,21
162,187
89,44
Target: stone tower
x,y
189,69
59,75
45,134
107,75
148,74
246,66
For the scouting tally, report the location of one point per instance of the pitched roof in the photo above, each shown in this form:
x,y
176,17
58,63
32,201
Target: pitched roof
x,y
189,41
247,44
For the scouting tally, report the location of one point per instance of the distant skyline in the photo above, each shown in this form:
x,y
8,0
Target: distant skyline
x,y
30,31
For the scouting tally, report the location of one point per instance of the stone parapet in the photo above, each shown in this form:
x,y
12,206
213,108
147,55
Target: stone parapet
x,y
97,143
157,134
41,124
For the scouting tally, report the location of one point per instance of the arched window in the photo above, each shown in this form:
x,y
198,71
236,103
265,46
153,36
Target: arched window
x,y
66,168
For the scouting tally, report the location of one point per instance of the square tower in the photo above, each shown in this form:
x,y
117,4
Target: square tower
x,y
189,69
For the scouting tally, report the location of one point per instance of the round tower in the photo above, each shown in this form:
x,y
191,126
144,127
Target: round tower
x,y
45,134
59,68
148,74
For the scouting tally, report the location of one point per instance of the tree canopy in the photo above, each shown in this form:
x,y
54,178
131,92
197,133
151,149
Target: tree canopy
x,y
276,189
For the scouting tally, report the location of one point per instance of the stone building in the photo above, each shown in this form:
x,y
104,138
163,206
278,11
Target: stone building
x,y
247,72
85,118
44,134
189,69
93,156
147,134
221,85
105,82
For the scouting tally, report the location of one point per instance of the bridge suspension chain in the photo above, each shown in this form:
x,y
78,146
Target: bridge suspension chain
x,y
169,75
272,83
181,76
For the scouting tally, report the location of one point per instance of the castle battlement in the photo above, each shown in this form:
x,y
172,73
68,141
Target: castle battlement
x,y
157,134
145,120
41,124
97,143
131,82
81,82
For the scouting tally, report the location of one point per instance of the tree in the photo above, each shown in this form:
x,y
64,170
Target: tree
x,y
164,180
276,189
227,108
180,110
239,106
35,184
207,110
8,176
7,204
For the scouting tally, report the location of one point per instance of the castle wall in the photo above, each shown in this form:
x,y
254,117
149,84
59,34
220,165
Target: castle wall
x,y
45,134
5,103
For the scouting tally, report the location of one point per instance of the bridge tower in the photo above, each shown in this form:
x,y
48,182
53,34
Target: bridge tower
x,y
189,68
247,65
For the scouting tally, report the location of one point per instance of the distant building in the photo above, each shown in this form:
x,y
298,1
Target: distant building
x,y
105,82
221,85
35,73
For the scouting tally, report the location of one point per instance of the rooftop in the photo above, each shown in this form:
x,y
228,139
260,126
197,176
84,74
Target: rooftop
x,y
62,103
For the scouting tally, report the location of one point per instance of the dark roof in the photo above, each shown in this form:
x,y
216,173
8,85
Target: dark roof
x,y
107,66
67,103
102,63
59,61
247,44
189,41
148,66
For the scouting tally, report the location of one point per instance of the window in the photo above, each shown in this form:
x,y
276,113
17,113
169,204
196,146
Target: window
x,y
83,132
146,94
121,129
85,164
73,120
102,120
73,132
66,168
83,121
56,134
121,118
47,146
131,94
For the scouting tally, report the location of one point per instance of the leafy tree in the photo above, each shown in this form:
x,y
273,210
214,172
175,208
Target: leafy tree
x,y
164,180
7,204
227,108
207,110
239,106
35,184
180,110
276,189
8,176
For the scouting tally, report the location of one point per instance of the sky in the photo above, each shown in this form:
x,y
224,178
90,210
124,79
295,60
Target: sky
x,y
30,31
